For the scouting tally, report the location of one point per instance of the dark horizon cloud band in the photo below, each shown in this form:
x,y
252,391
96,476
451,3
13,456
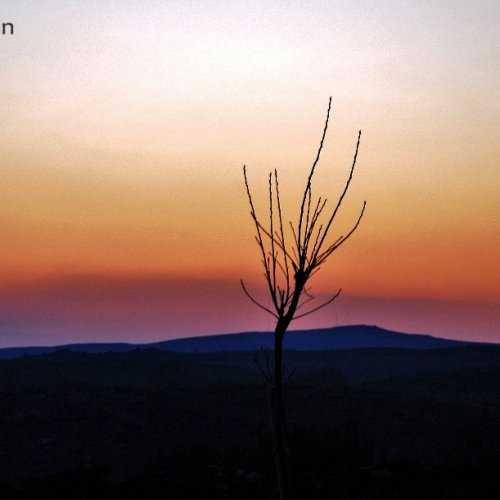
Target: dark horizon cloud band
x,y
138,309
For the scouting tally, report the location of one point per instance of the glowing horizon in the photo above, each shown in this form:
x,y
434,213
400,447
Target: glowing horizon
x,y
128,125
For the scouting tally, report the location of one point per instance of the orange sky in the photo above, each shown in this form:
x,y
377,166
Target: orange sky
x,y
126,125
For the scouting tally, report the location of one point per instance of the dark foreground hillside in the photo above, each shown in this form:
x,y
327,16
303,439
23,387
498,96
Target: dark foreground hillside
x,y
364,424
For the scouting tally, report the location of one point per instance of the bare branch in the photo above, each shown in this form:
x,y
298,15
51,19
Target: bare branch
x,y
309,198
271,232
310,256
247,293
294,233
342,239
314,271
341,199
276,241
311,173
309,299
295,264
319,307
282,234
253,214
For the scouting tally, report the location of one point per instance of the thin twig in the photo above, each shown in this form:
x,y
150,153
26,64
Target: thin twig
x,y
319,307
342,239
311,173
341,199
282,233
255,302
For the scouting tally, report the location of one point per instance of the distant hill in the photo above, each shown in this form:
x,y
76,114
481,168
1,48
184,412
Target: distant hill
x,y
342,337
338,338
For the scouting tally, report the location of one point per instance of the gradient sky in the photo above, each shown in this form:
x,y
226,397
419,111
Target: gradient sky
x,y
125,125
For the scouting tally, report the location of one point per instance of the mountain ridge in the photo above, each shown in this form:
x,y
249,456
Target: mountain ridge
x,y
321,339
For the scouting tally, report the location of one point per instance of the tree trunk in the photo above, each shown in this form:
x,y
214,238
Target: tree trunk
x,y
281,452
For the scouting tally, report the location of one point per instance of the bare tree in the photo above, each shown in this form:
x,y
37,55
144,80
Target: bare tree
x,y
290,255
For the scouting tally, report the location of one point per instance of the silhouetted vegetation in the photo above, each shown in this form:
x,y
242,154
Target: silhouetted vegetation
x,y
289,260
378,424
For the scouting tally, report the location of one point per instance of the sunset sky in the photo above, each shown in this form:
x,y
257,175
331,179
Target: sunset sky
x,y
126,123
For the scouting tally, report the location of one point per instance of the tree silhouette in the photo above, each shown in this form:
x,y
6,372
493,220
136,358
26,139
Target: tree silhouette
x,y
290,256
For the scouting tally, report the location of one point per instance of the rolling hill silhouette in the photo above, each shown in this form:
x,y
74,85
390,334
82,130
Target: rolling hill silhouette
x,y
325,339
